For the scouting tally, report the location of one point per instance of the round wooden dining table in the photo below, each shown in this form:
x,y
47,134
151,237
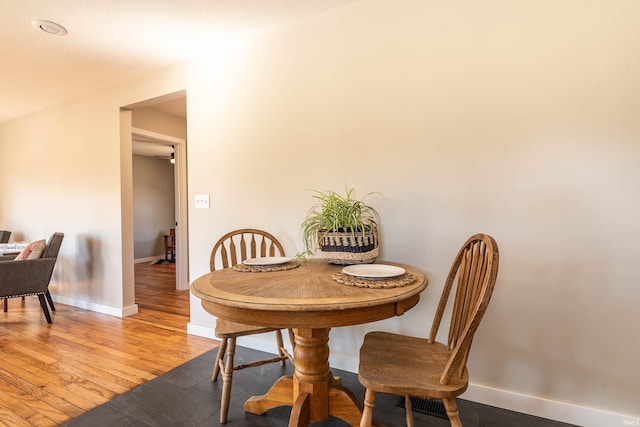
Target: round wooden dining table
x,y
311,301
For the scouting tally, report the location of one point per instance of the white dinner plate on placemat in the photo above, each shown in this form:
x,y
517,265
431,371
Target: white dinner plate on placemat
x,y
266,261
374,271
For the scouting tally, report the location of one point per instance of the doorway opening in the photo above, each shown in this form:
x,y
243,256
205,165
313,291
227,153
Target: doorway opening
x,y
158,134
156,212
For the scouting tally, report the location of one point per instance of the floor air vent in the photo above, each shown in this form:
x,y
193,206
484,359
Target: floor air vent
x,y
429,407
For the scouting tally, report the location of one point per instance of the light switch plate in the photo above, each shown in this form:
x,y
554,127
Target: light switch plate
x,y
202,201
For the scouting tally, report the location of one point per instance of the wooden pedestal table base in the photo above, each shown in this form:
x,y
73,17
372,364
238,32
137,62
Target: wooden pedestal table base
x,y
308,300
313,392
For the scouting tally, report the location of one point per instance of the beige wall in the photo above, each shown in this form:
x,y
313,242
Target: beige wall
x,y
62,169
148,118
518,119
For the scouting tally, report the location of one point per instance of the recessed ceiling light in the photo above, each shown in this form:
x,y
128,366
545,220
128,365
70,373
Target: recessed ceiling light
x,y
50,27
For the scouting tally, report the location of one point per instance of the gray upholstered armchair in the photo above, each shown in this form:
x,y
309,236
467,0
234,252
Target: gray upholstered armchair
x,y
31,276
4,238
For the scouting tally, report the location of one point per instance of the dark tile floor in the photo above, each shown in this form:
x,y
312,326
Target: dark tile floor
x,y
186,396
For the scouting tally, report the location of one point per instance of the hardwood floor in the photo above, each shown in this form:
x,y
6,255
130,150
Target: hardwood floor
x,y
52,373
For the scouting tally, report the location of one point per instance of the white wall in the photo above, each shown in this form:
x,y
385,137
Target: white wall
x,y
518,119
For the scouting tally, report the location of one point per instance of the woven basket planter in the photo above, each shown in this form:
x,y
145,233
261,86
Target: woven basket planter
x,y
347,248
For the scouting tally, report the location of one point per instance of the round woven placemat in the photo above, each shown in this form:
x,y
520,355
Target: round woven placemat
x,y
392,282
256,269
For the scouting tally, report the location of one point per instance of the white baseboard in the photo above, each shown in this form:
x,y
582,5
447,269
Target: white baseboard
x,y
526,404
201,331
545,408
99,308
129,310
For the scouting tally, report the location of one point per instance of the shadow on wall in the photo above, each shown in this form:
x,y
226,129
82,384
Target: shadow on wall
x,y
88,263
17,237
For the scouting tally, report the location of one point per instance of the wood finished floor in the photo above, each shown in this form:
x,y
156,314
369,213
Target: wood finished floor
x,y
79,370
53,373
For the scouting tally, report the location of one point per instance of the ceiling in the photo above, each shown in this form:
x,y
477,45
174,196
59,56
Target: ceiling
x,y
109,41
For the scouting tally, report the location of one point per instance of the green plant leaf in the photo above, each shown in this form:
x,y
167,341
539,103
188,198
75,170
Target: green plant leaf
x,y
335,212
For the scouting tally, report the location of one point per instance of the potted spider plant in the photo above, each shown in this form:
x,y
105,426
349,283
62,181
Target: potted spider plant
x,y
343,228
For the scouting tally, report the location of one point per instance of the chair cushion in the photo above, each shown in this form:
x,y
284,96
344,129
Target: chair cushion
x,y
33,251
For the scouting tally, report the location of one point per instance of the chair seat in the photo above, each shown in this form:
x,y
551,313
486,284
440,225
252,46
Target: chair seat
x,y
227,329
422,365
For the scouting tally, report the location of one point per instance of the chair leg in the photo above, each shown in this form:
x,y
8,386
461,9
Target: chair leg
x,y
292,338
45,310
219,359
408,412
280,345
369,403
227,379
50,300
6,304
452,412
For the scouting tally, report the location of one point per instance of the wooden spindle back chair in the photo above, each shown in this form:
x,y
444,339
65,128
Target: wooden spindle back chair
x,y
424,368
170,245
231,249
240,245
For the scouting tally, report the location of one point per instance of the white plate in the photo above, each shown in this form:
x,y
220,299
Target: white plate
x,y
267,261
373,271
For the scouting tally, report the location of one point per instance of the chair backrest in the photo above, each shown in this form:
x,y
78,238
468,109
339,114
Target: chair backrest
x,y
239,245
53,246
473,273
4,236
